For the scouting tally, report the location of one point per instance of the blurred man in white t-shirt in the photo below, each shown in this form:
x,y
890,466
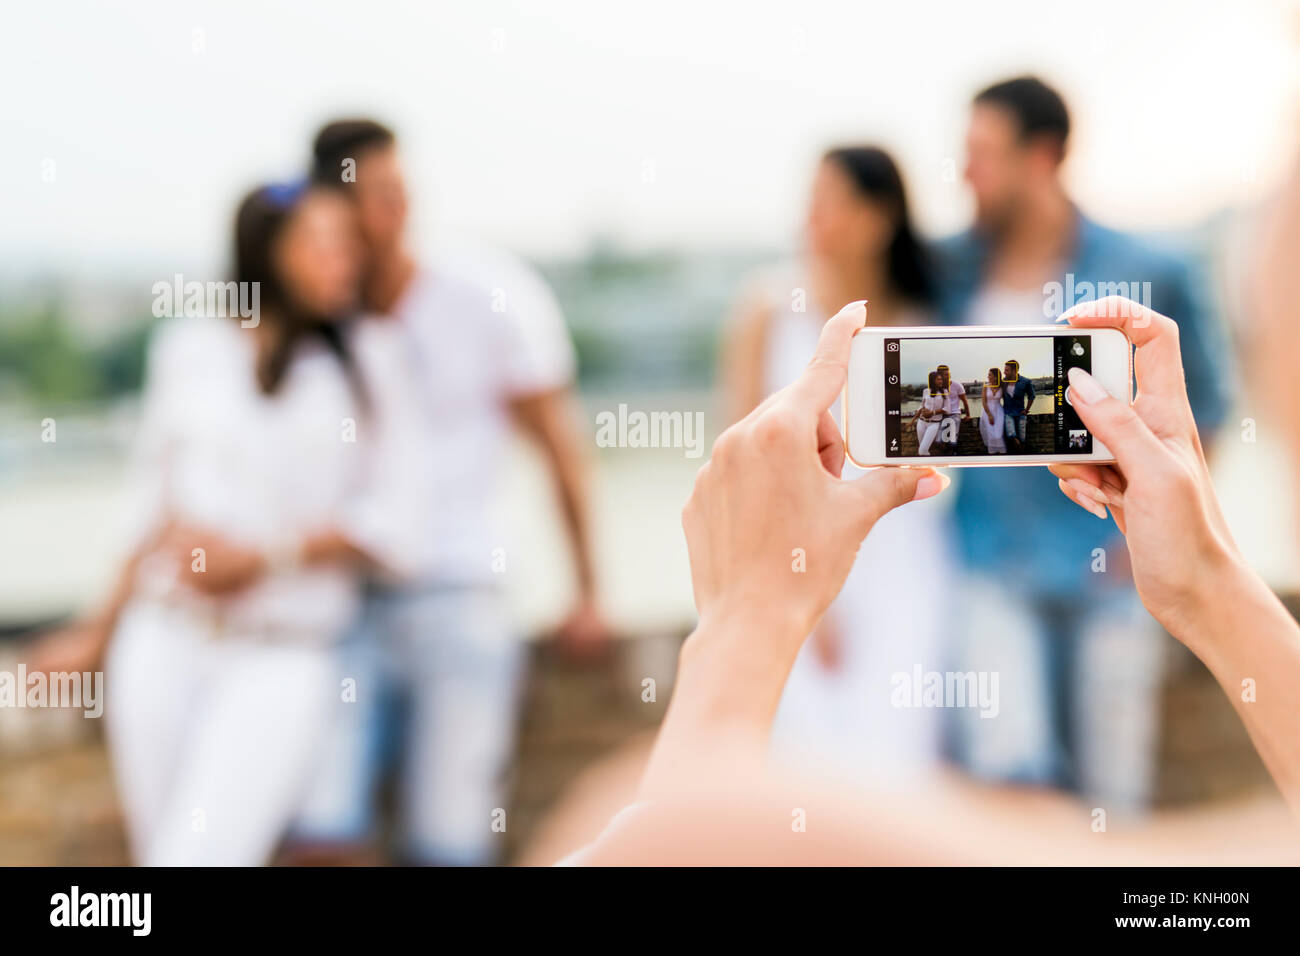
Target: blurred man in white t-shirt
x,y
491,351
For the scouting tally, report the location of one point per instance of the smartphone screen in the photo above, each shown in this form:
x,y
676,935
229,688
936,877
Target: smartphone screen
x,y
984,396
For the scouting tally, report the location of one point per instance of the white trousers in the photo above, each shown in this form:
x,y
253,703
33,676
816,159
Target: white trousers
x,y
926,433
212,740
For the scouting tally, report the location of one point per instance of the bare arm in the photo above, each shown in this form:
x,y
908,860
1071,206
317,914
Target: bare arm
x,y
1186,566
551,418
1251,644
1275,344
746,821
755,609
80,646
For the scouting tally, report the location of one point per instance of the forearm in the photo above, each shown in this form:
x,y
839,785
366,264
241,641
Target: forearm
x,y
571,476
123,584
566,456
551,419
730,677
329,546
1251,645
103,618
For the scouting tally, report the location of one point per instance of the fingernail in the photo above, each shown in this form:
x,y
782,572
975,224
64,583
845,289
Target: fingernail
x,y
931,485
1084,387
1092,491
1086,503
860,304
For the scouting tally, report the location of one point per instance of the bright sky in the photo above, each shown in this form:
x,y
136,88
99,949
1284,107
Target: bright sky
x,y
668,124
971,359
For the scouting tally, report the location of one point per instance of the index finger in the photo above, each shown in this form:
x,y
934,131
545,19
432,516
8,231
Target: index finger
x,y
817,388
1159,359
1143,326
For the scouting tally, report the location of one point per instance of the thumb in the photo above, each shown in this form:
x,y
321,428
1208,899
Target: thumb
x,y
1114,422
881,490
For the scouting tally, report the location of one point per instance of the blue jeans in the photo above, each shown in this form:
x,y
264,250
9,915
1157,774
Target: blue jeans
x,y
1079,682
435,674
1016,424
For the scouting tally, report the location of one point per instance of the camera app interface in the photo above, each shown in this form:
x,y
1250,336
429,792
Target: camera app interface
x,y
983,396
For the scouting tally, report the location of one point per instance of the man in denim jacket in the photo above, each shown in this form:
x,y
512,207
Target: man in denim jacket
x,y
1017,399
1046,582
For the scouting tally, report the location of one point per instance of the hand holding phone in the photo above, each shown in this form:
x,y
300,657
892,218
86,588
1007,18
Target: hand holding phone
x,y
789,450
1159,489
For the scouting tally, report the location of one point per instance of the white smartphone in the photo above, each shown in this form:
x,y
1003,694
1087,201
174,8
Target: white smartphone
x,y
977,395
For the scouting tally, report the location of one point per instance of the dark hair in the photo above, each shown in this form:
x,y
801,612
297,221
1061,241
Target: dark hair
x,y
345,139
1037,108
996,373
933,382
259,223
876,176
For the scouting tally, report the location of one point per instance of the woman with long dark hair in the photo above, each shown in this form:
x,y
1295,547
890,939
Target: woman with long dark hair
x,y
271,471
860,243
992,414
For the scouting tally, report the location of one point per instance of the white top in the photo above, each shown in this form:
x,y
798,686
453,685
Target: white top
x,y
215,452
953,402
481,329
933,402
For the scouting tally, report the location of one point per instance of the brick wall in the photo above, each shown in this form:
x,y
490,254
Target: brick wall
x,y
1041,435
58,805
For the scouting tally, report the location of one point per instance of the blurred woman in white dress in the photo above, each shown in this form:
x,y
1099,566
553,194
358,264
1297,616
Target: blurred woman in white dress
x,y
273,465
991,414
837,708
